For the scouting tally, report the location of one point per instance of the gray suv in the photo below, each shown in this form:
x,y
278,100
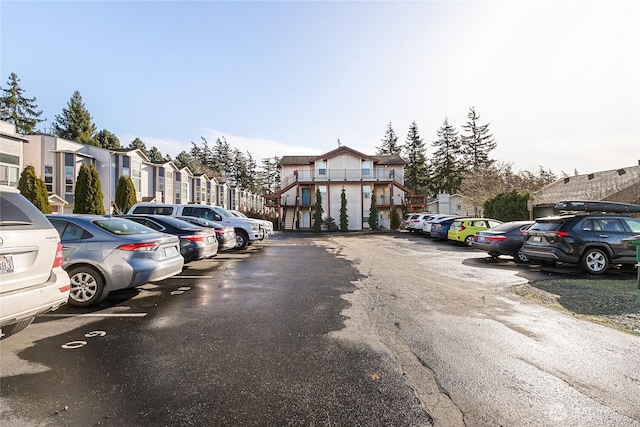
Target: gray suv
x,y
592,239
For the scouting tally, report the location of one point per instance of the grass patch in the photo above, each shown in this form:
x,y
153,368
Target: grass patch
x,y
609,302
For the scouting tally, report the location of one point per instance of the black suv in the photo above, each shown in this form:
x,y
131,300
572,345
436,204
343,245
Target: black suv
x,y
592,238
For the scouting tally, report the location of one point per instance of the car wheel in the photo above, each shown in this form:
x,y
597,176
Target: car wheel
x,y
87,286
595,261
519,256
9,330
468,240
242,239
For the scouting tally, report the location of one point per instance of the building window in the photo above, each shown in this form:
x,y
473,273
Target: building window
x,y
48,178
169,182
184,194
126,161
366,168
321,166
203,193
9,175
69,173
136,174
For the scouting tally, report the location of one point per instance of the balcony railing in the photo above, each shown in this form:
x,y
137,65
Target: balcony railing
x,y
329,175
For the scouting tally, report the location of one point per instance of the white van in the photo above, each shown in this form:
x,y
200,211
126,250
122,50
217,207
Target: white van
x,y
247,230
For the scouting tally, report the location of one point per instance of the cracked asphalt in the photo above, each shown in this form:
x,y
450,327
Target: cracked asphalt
x,y
325,330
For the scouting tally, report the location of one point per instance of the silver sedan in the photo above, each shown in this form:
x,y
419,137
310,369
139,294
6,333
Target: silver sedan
x,y
103,254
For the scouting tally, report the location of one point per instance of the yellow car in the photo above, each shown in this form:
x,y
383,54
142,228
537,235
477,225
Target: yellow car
x,y
463,229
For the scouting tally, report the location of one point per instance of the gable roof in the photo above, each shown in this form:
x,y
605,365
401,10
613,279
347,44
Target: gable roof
x,y
305,160
592,186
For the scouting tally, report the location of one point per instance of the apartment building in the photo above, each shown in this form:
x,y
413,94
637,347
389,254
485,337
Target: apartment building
x,y
57,161
361,176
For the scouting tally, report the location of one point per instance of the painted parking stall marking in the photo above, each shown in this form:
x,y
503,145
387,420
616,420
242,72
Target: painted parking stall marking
x,y
72,345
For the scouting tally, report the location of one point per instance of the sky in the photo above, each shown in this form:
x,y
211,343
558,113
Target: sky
x,y
558,81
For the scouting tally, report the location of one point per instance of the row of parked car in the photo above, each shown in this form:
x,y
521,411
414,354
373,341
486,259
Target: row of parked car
x,y
49,260
592,234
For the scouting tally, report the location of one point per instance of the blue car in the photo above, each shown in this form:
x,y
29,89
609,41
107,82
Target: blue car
x,y
440,229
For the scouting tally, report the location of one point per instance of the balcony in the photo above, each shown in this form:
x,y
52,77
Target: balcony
x,y
342,175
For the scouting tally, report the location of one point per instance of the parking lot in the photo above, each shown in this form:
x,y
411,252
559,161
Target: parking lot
x,y
325,329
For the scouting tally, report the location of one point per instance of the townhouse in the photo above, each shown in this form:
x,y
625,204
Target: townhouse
x,y
361,176
57,161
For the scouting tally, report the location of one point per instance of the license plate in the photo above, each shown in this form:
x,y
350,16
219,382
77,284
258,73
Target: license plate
x,y
6,264
537,239
482,239
169,252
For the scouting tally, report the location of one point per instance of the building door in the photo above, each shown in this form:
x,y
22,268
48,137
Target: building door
x,y
305,219
306,197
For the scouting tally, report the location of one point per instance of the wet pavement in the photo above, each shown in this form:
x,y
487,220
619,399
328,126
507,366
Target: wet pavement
x,y
332,330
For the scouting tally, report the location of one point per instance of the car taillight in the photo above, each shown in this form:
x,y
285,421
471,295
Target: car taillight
x,y
193,238
57,261
496,238
558,233
145,246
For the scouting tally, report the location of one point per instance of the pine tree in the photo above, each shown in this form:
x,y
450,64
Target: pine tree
x,y
15,108
447,171
75,123
389,143
34,189
88,192
155,155
395,220
106,139
125,195
416,172
140,145
270,175
184,159
477,143
318,212
344,217
373,214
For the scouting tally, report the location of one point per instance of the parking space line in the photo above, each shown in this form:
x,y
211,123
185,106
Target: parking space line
x,y
94,315
193,277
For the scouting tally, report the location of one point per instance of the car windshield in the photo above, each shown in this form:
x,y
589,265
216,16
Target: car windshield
x,y
122,226
225,212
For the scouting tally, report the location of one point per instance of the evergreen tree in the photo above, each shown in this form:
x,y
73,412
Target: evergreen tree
x,y
318,212
344,217
416,175
140,145
389,143
373,214
447,171
106,139
477,143
155,155
270,175
34,189
125,195
223,154
88,192
184,159
15,108
511,206
395,220
75,122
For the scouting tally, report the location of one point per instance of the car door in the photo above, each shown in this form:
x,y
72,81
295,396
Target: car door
x,y
72,236
612,232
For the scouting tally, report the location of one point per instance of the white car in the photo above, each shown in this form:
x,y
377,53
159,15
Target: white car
x,y
32,280
428,222
415,222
